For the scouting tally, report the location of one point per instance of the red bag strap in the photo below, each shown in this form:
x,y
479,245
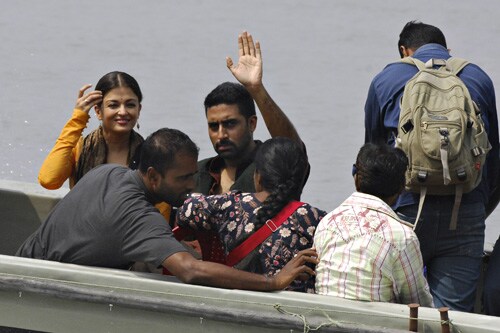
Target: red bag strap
x,y
242,250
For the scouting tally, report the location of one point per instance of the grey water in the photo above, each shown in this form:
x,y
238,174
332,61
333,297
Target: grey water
x,y
319,58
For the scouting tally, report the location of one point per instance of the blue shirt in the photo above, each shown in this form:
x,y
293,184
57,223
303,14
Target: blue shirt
x,y
382,112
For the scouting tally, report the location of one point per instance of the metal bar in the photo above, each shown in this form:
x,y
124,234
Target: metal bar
x,y
445,322
413,324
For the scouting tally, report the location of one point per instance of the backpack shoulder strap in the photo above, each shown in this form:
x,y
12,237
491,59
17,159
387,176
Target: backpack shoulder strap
x,y
456,64
415,62
242,250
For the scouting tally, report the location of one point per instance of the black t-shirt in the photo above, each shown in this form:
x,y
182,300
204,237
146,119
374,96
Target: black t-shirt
x,y
106,220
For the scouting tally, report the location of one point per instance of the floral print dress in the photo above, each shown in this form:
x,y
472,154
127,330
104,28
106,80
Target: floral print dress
x,y
233,217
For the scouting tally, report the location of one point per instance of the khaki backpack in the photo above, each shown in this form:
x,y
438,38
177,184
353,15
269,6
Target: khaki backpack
x,y
441,131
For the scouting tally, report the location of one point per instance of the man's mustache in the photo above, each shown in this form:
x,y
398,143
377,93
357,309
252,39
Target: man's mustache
x,y
224,142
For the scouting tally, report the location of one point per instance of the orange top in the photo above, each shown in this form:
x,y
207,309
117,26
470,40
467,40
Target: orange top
x,y
61,162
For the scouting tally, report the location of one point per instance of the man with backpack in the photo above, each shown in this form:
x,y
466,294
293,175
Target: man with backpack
x,y
453,196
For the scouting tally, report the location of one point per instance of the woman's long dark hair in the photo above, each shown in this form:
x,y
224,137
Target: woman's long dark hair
x,y
118,79
95,149
282,165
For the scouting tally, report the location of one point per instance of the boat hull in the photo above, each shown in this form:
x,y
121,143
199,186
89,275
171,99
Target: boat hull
x,y
57,297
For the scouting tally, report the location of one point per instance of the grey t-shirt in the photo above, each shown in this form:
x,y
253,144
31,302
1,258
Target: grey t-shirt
x,y
106,220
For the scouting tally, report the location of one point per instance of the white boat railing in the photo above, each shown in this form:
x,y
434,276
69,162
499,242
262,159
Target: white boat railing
x,y
55,297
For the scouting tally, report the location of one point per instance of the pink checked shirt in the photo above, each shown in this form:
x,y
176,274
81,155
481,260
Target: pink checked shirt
x,y
366,253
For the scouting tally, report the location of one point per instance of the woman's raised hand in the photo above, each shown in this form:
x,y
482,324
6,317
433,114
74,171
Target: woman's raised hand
x,y
86,101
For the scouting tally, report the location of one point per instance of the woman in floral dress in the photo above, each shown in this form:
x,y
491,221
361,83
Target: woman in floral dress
x,y
280,170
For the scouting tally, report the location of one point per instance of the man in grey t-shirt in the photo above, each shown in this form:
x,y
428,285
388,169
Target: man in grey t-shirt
x,y
108,219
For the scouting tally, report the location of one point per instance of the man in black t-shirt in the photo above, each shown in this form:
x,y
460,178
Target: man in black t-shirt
x,y
108,219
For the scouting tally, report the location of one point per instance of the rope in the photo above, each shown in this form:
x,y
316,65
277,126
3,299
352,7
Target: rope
x,y
307,327
452,326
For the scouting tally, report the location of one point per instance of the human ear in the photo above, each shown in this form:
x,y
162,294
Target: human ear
x,y
252,123
406,51
257,181
153,178
356,182
402,51
98,112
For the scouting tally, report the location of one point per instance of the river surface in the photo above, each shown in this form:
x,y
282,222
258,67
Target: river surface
x,y
319,59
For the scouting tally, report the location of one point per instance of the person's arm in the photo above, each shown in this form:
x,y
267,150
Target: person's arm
x,y
60,163
190,270
248,72
373,127
409,279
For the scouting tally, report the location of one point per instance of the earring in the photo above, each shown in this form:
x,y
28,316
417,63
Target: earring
x,y
138,126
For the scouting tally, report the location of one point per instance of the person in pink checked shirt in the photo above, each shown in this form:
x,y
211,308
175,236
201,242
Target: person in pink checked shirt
x,y
365,251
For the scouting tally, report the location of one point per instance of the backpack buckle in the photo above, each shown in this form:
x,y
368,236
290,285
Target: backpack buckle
x,y
408,126
422,176
444,132
476,151
435,62
444,137
461,175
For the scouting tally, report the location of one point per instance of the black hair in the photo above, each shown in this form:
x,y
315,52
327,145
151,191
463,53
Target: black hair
x,y
231,93
117,79
160,148
282,165
416,34
381,170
